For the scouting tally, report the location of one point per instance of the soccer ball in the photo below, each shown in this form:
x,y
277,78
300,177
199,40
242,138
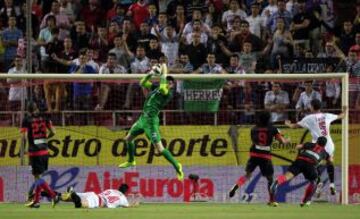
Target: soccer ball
x,y
156,70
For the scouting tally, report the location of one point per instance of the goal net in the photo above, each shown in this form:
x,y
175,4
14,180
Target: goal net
x,y
206,126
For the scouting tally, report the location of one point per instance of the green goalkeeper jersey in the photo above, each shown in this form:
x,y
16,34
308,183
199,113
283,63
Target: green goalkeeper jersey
x,y
155,101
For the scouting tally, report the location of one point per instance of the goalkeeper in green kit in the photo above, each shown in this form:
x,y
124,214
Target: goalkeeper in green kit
x,y
148,122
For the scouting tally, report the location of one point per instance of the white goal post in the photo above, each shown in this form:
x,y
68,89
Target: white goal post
x,y
344,77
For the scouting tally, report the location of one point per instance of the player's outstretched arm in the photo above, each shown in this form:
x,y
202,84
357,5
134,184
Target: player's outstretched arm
x,y
292,125
163,83
299,146
343,113
145,81
282,139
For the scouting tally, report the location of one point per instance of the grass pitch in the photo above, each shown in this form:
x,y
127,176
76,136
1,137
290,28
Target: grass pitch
x,y
186,211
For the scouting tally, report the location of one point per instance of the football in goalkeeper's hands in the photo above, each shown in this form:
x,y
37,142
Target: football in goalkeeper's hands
x,y
156,70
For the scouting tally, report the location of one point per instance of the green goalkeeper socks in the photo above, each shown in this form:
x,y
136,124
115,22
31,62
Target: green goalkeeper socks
x,y
131,151
166,153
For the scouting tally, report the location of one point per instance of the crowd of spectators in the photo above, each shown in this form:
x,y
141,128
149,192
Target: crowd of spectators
x,y
199,36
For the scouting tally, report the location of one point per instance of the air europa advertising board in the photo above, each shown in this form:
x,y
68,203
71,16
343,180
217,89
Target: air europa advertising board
x,y
191,145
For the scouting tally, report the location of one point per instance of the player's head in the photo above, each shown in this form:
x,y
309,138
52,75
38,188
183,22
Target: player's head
x,y
263,119
321,141
123,188
171,81
315,105
32,108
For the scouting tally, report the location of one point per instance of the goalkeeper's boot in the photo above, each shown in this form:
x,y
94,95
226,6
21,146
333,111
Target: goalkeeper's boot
x,y
305,204
319,189
180,173
332,189
127,164
233,190
32,204
55,200
273,204
66,196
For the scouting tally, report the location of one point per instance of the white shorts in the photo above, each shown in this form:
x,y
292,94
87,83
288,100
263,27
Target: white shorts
x,y
91,198
330,149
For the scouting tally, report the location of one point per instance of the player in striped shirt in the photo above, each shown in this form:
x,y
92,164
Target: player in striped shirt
x,y
310,155
262,136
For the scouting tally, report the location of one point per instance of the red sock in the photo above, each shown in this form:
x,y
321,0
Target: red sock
x,y
309,192
49,191
241,181
281,179
37,194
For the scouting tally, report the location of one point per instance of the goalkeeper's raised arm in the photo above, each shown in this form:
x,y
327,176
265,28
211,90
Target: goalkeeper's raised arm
x,y
156,70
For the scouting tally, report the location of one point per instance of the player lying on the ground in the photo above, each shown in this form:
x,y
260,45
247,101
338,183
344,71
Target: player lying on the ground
x,y
109,198
261,136
310,155
34,129
318,123
148,122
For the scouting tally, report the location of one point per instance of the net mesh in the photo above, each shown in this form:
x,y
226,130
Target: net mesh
x,y
93,117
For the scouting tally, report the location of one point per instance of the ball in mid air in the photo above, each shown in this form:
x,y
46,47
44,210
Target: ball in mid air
x,y
156,70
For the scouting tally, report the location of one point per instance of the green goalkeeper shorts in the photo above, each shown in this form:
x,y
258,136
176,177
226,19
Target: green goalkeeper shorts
x,y
149,125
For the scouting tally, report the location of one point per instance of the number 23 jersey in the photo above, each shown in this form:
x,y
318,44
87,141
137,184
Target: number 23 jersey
x,y
113,198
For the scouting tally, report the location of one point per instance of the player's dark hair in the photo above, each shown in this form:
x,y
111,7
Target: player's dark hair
x,y
321,141
123,188
316,104
263,119
170,78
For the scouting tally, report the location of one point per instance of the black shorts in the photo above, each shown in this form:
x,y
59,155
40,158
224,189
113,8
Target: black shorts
x,y
265,165
307,169
39,164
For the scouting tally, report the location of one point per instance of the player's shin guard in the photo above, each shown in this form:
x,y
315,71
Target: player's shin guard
x,y
131,151
331,171
166,153
76,199
310,189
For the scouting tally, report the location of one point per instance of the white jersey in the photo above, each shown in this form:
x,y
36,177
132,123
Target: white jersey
x,y
113,198
319,125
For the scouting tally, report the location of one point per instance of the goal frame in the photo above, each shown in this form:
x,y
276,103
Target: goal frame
x,y
344,77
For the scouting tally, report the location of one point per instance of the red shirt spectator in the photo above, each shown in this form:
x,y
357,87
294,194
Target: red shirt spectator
x,y
139,12
92,14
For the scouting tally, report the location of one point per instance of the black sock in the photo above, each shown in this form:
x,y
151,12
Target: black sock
x,y
76,199
331,169
318,179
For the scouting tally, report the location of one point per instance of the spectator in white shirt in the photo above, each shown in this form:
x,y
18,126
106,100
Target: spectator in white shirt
x,y
16,91
196,29
256,22
229,15
210,67
276,101
141,64
110,67
303,104
169,43
332,90
196,16
269,10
